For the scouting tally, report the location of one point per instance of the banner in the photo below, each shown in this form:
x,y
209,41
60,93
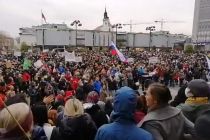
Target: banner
x,y
154,60
17,53
38,64
78,59
69,57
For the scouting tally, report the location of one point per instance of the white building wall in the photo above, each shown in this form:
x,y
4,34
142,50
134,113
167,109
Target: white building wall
x,y
89,38
53,37
29,39
159,40
130,40
141,40
67,37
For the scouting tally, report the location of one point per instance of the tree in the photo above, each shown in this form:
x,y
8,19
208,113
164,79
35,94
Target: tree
x,y
24,47
189,49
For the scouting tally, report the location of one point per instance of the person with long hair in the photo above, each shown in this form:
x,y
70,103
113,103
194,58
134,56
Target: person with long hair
x,y
163,121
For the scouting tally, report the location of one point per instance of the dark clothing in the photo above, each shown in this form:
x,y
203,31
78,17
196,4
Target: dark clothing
x,y
123,126
38,133
98,116
180,97
76,128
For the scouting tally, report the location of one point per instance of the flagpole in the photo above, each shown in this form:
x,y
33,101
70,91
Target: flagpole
x,y
41,18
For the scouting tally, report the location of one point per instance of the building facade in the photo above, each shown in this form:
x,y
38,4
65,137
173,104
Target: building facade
x,y
201,23
6,42
60,35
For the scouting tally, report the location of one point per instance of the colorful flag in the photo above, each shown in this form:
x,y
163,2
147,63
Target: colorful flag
x,y
26,64
120,55
43,17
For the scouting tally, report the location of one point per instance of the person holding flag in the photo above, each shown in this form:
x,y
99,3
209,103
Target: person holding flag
x,y
115,51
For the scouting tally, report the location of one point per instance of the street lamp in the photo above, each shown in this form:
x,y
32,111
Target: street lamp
x,y
76,23
117,26
150,29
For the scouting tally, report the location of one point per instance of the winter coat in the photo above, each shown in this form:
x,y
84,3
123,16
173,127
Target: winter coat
x,y
97,86
167,123
123,126
76,128
192,112
98,116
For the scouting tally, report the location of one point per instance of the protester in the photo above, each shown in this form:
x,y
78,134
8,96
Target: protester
x,y
197,93
75,123
19,127
123,126
202,126
51,81
163,121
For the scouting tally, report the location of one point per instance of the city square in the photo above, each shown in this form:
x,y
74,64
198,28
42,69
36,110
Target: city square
x,y
105,70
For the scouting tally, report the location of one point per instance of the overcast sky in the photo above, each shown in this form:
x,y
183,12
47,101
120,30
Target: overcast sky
x,y
25,13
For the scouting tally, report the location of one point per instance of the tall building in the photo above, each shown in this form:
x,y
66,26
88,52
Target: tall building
x,y
49,36
201,23
106,24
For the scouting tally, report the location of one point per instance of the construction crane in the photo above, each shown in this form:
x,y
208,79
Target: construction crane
x,y
162,21
132,24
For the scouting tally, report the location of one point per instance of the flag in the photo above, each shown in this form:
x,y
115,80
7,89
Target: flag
x,y
113,51
120,55
208,62
43,17
26,64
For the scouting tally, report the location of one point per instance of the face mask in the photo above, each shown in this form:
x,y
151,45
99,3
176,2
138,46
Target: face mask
x,y
188,93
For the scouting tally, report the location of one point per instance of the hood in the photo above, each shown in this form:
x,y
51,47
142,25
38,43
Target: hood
x,y
124,104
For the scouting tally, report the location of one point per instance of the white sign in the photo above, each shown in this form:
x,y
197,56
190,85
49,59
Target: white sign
x,y
154,60
29,50
69,57
78,59
17,53
46,50
38,64
130,60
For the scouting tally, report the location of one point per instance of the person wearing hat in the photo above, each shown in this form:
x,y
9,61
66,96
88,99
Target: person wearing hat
x,y
197,93
123,126
16,127
92,107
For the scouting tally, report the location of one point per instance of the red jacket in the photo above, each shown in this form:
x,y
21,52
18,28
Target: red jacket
x,y
26,77
75,83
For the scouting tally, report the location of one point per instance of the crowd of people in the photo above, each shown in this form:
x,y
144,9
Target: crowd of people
x,y
103,98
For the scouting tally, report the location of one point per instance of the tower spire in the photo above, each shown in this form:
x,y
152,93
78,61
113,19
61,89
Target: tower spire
x,y
105,14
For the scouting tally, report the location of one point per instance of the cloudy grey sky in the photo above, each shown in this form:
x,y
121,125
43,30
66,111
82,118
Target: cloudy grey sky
x,y
25,13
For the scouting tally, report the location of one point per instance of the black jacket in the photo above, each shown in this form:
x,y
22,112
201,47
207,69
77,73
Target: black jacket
x,y
77,128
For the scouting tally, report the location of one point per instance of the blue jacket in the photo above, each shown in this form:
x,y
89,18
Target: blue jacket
x,y
97,86
123,126
61,69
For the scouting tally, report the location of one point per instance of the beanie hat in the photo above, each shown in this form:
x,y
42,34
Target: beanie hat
x,y
22,113
198,88
73,107
93,97
202,126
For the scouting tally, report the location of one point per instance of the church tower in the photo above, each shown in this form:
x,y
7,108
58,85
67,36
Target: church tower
x,y
106,21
